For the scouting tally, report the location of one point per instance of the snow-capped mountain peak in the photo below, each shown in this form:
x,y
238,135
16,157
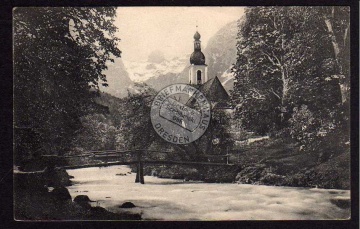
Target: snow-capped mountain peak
x,y
143,71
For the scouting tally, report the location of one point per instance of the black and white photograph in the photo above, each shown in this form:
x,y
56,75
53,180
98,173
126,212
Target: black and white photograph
x,y
183,113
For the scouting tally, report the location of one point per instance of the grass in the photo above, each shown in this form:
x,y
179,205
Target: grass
x,y
281,155
284,158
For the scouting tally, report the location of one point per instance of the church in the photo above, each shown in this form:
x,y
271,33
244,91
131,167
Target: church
x,y
210,86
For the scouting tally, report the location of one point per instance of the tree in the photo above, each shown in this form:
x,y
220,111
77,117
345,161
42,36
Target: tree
x,y
96,133
284,60
337,21
137,129
216,139
59,56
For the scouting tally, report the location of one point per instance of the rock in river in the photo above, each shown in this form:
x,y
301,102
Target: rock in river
x,y
127,205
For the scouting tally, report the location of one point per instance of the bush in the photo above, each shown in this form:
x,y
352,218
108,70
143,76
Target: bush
x,y
303,125
272,179
325,136
251,174
298,180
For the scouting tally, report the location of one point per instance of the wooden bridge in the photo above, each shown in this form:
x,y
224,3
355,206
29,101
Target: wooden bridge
x,y
130,157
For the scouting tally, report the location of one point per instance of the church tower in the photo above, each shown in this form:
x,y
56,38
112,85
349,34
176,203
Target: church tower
x,y
198,68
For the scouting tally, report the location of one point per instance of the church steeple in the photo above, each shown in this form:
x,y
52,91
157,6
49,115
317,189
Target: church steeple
x,y
198,68
197,42
197,57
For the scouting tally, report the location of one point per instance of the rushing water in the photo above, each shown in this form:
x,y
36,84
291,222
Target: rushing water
x,y
169,199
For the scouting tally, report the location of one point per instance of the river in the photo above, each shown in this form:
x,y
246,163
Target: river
x,y
169,199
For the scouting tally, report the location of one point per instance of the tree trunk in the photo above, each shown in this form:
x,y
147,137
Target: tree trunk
x,y
337,50
285,90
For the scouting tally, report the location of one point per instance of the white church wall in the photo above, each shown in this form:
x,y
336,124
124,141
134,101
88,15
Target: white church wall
x,y
193,73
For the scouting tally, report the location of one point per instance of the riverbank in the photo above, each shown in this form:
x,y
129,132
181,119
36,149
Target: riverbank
x,y
274,162
333,174
44,195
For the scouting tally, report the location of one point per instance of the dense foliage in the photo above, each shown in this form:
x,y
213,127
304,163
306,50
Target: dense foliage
x,y
126,126
292,73
59,57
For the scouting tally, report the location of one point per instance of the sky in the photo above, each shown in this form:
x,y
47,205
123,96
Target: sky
x,y
168,29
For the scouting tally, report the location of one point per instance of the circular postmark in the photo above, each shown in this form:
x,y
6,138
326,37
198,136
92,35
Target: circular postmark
x,y
180,113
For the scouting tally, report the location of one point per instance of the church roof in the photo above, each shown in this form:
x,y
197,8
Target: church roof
x,y
197,36
214,92
197,58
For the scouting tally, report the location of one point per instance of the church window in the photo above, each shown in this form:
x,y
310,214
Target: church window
x,y
198,77
197,45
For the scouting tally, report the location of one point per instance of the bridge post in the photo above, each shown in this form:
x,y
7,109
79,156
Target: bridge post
x,y
141,173
139,169
137,179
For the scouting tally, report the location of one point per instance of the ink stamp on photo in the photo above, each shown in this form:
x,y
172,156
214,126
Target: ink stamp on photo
x,y
180,113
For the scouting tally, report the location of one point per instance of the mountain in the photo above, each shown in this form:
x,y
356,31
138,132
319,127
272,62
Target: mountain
x,y
117,78
162,81
158,72
143,71
227,80
157,75
220,54
156,57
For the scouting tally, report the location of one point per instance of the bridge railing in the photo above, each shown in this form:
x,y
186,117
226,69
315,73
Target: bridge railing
x,y
128,157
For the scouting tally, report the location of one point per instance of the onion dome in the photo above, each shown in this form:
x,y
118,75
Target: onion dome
x,y
197,58
197,36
